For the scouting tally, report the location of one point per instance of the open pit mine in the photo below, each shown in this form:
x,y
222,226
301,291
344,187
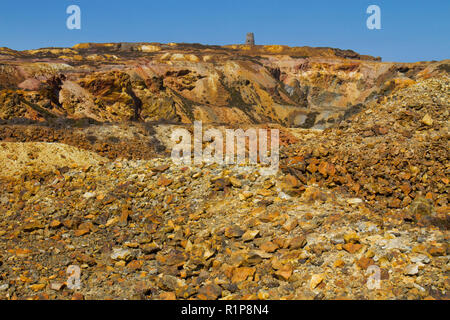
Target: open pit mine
x,y
93,207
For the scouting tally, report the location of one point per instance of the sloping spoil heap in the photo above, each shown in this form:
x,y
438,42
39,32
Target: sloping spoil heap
x,y
389,154
152,230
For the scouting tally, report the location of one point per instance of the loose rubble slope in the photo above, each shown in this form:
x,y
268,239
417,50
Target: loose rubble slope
x,y
18,159
152,230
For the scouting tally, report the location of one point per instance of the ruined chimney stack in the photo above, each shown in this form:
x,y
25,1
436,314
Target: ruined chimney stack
x,y
250,40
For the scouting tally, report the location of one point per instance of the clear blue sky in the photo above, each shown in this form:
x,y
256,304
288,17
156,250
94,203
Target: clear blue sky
x,y
412,30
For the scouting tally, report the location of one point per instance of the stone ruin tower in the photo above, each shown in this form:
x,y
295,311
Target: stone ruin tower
x,y
250,40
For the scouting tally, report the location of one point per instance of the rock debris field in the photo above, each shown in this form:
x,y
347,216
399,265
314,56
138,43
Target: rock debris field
x,y
358,209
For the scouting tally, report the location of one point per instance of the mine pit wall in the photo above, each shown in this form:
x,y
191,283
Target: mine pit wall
x,y
182,83
329,91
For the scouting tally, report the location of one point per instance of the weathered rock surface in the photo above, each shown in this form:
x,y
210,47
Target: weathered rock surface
x,y
357,211
296,87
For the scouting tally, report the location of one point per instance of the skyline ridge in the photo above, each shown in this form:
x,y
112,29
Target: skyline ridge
x,y
409,31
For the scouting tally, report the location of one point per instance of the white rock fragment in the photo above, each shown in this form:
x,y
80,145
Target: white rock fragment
x,y
121,254
412,270
284,196
354,201
88,195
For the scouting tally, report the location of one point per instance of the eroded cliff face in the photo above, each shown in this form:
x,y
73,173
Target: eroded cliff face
x,y
179,83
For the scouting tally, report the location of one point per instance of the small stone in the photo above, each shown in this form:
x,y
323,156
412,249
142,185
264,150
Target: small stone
x,y
290,225
220,184
412,270
161,168
164,182
354,201
269,217
249,235
77,296
81,232
427,120
252,259
269,247
209,292
112,221
173,257
421,258
122,254
326,169
351,238
235,182
245,195
242,274
352,247
4,287
197,175
284,196
291,181
268,184
168,296
264,192
233,232
23,253
312,194
55,224
263,295
316,279
364,263
37,287
437,251
135,265
337,240
149,248
88,195
170,283
32,226
285,272
298,242
56,286
339,263
120,264
133,245
369,254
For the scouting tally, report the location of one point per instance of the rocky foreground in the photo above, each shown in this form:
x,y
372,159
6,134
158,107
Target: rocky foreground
x,y
86,179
